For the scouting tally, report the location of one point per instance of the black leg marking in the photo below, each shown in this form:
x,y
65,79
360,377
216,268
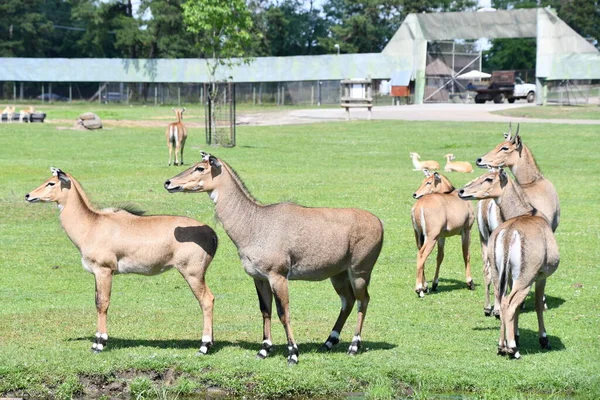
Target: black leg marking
x,y
100,342
292,355
487,311
204,348
331,341
354,346
545,343
265,350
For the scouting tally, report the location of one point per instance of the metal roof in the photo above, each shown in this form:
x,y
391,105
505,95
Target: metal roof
x,y
262,69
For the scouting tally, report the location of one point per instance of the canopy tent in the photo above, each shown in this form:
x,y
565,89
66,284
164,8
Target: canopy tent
x,y
475,74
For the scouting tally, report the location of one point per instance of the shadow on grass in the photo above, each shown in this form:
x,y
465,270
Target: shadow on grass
x,y
529,340
308,347
448,285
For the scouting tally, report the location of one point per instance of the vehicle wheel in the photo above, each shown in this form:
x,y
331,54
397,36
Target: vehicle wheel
x,y
530,97
499,98
479,99
511,100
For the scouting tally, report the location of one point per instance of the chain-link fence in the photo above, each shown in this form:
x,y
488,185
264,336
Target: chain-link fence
x,y
303,93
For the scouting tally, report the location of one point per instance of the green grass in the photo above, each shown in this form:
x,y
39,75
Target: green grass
x,y
438,346
589,111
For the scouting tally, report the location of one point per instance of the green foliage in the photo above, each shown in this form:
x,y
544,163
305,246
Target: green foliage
x,y
508,54
440,346
223,30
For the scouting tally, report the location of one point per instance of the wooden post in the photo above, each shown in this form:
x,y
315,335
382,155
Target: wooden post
x,y
43,93
14,91
253,94
70,92
50,92
312,95
178,95
21,92
99,93
156,94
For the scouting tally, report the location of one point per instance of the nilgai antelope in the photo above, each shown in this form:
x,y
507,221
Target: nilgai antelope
x,y
26,114
522,249
176,135
457,166
9,111
540,192
281,242
116,241
433,183
420,165
436,216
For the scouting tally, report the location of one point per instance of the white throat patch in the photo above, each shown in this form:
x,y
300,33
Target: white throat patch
x,y
214,196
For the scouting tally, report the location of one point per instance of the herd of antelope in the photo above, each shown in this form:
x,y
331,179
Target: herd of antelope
x,y
516,219
280,242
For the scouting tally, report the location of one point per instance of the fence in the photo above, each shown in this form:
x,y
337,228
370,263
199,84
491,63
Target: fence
x,y
304,93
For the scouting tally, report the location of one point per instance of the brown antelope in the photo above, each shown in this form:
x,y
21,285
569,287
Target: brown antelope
x,y
420,165
457,166
540,192
436,216
116,241
522,250
9,111
433,183
176,135
26,114
281,242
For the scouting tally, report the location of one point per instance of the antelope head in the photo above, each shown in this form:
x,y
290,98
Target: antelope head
x,y
489,185
506,153
179,113
449,157
414,155
54,189
433,183
200,177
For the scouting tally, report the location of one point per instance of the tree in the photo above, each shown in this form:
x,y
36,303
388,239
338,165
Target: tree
x,y
223,30
24,29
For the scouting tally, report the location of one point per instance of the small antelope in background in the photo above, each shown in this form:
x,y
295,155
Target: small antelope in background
x,y
522,249
176,135
540,192
9,111
281,242
26,114
437,214
117,241
420,165
457,166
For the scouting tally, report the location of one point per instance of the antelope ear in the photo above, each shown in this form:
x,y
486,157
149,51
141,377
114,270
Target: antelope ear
x,y
173,109
437,177
517,139
508,135
183,110
60,175
426,172
503,177
214,161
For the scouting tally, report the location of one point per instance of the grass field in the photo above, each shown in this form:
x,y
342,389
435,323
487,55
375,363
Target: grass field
x,y
441,346
588,111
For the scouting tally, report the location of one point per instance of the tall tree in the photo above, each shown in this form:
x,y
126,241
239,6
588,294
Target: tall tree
x,y
24,28
224,36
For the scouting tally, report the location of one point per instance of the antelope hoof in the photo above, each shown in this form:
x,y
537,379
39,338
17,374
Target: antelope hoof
x,y
292,355
265,350
496,313
420,293
513,353
545,343
329,343
487,311
99,342
434,286
471,285
204,347
354,346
